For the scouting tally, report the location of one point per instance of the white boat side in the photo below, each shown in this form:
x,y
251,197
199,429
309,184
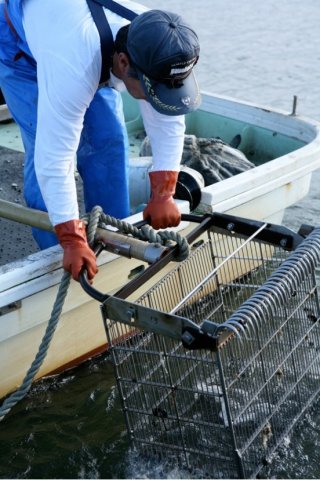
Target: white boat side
x,y
290,147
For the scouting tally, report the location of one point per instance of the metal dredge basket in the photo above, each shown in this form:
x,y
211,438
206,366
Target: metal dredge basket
x,y
220,400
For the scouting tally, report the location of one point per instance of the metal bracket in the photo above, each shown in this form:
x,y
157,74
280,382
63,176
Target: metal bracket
x,y
305,230
173,326
273,234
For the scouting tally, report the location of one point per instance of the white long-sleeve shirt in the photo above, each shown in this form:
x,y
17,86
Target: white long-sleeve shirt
x,y
65,43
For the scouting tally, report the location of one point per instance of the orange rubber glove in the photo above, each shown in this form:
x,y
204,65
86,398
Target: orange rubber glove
x,y
77,253
161,211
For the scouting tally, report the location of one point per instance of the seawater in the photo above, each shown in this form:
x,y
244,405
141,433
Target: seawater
x,y
71,426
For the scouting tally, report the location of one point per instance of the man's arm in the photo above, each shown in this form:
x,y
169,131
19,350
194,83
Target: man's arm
x,y
166,134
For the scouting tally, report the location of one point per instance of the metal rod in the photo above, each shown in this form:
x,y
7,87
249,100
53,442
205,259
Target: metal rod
x,y
28,216
114,242
294,105
215,270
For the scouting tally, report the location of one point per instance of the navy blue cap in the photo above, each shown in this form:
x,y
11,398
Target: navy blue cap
x,y
164,49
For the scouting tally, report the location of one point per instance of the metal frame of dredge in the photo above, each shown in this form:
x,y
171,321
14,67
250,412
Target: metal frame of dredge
x,y
218,360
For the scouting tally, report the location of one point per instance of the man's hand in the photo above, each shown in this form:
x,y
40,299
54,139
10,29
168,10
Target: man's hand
x,y
77,253
161,211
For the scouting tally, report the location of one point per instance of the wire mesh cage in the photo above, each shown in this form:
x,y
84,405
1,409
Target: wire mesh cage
x,y
221,412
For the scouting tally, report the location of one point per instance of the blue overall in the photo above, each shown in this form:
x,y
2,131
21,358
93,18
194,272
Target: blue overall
x,y
102,157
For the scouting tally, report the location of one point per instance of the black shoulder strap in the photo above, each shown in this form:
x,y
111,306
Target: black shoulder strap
x,y
118,9
105,33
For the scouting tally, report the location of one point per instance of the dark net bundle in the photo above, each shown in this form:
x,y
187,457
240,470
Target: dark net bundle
x,y
212,157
